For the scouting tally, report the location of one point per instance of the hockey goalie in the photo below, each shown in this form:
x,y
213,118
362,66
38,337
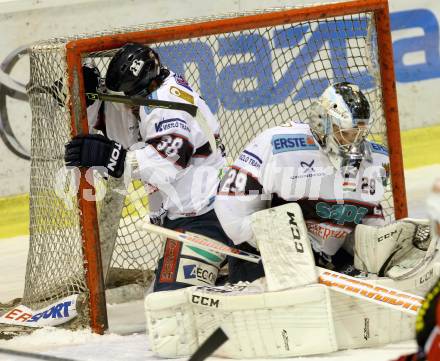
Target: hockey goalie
x,y
307,198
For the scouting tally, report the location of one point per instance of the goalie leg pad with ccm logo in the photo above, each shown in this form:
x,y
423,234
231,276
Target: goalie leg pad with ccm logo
x,y
258,324
261,324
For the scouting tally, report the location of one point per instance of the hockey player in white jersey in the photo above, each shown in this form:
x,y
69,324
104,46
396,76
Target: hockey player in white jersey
x,y
175,160
327,166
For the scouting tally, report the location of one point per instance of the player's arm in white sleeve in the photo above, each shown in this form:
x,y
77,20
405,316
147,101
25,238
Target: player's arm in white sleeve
x,y
241,192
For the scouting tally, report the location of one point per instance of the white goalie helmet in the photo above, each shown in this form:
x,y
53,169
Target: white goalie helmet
x,y
340,118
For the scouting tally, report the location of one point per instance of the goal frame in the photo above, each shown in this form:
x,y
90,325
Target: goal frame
x,y
76,50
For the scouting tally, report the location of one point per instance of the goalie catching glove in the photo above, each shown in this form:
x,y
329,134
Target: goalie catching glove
x,y
94,150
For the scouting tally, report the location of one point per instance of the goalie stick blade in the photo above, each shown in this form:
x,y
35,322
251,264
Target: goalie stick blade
x,y
31,355
211,344
202,242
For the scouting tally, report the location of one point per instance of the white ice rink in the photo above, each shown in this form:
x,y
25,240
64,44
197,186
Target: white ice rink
x,y
126,339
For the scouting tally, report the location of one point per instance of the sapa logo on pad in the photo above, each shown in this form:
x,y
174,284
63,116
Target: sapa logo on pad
x,y
194,271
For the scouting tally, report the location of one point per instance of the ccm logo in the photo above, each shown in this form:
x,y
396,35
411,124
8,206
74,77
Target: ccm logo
x,y
427,276
205,301
114,157
295,233
386,236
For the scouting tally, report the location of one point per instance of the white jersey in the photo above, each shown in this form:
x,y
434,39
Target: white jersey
x,y
173,155
286,164
178,159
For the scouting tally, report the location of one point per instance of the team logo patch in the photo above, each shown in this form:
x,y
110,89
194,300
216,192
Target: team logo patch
x,y
385,177
136,67
182,94
181,81
167,124
196,273
377,148
308,167
250,158
292,142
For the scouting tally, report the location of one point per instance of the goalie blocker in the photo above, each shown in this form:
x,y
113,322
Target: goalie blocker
x,y
277,316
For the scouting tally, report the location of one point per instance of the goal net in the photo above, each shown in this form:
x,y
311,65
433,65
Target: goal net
x,y
255,70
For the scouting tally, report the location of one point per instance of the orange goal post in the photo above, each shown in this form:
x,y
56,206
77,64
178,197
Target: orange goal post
x,y
255,70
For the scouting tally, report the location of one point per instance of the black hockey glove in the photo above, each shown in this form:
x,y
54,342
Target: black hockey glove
x,y
91,83
94,150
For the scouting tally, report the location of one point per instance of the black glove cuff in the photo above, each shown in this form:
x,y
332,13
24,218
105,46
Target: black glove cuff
x,y
116,160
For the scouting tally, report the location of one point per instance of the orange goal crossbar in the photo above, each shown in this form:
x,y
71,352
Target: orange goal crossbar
x,y
77,49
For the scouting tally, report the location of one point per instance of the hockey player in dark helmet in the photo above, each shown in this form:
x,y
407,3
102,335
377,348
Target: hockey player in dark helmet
x,y
135,69
173,159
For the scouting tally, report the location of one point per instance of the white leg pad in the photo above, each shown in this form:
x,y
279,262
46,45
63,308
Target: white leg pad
x,y
304,321
285,247
279,324
360,324
264,325
171,323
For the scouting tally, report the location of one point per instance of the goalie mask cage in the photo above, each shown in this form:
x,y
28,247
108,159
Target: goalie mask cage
x,y
255,70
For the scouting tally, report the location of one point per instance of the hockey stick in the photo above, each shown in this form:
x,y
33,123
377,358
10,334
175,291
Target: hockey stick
x,y
155,103
201,242
117,98
138,100
365,290
210,345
